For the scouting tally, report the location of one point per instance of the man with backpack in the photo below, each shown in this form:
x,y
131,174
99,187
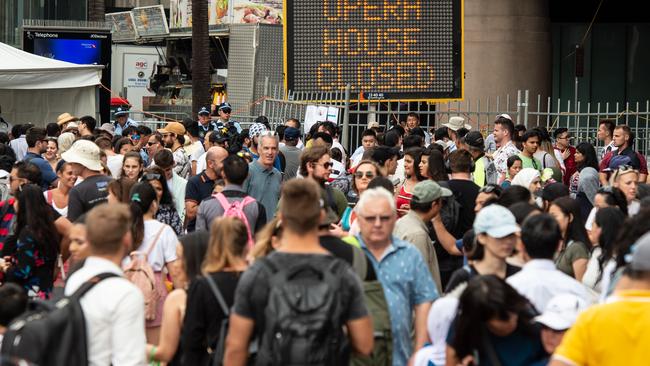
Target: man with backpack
x,y
232,201
315,164
297,299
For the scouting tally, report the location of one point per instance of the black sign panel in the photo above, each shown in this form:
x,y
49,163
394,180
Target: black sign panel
x,y
386,49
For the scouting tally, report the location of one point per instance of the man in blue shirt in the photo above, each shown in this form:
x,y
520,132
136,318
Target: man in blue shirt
x,y
122,121
406,279
224,111
36,145
205,123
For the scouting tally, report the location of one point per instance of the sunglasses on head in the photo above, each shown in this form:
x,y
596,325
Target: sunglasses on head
x,y
151,176
490,188
368,174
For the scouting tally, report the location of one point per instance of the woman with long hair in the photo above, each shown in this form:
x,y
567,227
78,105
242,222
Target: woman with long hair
x,y
191,253
132,166
413,177
576,247
51,154
584,182
494,325
606,197
489,251
435,166
159,240
34,246
605,230
58,197
545,152
267,240
167,213
224,263
365,171
514,164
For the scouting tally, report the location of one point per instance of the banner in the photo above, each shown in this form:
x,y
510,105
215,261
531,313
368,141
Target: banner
x,y
221,12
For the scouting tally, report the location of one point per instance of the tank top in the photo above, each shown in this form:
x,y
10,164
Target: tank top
x,y
50,201
403,199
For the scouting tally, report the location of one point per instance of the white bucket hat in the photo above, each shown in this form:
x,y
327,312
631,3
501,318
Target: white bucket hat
x,y
84,152
456,123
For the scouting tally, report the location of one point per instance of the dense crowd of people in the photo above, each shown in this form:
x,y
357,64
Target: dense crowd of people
x,y
204,243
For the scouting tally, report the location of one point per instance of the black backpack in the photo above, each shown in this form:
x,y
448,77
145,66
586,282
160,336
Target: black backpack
x,y
303,315
52,334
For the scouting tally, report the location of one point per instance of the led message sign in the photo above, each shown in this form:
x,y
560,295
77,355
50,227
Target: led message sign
x,y
386,49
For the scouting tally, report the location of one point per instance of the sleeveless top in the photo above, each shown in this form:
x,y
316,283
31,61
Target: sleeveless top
x,y
50,201
403,199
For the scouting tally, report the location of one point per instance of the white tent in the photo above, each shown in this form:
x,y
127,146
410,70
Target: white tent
x,y
37,89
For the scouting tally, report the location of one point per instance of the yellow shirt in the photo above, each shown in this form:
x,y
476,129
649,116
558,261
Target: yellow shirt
x,y
616,333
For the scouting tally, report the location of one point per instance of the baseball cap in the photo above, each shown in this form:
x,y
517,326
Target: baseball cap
x,y
474,139
618,161
639,259
84,152
562,311
504,115
291,133
495,221
445,144
225,105
428,191
204,111
173,127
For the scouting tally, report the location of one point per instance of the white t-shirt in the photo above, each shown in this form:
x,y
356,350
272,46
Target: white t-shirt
x,y
165,250
197,151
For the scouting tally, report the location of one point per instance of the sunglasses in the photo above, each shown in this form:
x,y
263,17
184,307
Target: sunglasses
x,y
135,137
226,111
369,175
152,143
151,176
490,188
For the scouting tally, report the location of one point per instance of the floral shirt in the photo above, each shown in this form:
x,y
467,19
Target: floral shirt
x,y
167,214
501,158
32,264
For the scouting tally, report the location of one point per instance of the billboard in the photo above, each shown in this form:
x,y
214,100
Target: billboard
x,y
85,47
122,26
407,50
225,12
150,21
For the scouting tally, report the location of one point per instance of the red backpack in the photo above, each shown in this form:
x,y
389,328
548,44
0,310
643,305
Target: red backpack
x,y
236,209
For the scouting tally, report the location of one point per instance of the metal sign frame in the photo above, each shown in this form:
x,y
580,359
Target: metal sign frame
x,y
296,15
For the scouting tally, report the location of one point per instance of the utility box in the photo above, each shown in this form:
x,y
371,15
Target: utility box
x,y
133,65
254,53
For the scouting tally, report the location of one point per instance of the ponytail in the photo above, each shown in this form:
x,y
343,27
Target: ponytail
x,y
142,197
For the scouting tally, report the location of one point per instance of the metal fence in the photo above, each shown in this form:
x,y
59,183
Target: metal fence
x,y
582,119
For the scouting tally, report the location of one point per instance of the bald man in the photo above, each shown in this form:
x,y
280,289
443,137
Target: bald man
x,y
199,187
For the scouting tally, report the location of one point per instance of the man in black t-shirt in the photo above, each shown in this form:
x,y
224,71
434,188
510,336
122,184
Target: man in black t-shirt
x,y
300,248
199,187
465,192
84,158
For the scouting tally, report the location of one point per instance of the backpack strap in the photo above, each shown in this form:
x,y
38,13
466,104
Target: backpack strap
x,y
359,263
91,283
153,245
217,295
222,200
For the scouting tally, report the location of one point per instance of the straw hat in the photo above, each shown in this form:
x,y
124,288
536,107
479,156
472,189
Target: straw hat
x,y
65,118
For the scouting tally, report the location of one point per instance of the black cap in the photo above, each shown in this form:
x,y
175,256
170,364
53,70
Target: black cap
x,y
474,139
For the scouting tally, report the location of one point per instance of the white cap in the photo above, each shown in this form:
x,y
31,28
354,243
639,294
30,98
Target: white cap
x,y
562,311
504,115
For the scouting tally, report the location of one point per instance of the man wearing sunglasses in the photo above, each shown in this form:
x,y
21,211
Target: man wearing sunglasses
x,y
225,111
315,164
407,282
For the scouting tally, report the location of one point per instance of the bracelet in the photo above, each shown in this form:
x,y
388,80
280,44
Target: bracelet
x,y
152,353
